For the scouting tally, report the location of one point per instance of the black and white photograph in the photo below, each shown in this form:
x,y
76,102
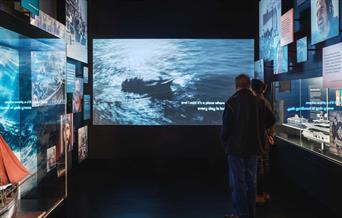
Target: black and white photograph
x,y
335,118
48,80
82,143
77,31
49,24
51,158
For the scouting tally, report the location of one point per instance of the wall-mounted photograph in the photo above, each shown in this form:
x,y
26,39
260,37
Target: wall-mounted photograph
x,y
324,20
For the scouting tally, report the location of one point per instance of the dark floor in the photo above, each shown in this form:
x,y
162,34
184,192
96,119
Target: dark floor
x,y
97,189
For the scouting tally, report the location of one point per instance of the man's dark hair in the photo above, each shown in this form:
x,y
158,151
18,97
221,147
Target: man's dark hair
x,y
242,81
258,86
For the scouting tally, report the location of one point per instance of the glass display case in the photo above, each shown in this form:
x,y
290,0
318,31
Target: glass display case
x,y
32,104
309,116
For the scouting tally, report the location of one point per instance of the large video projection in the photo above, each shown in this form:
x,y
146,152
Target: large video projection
x,y
166,81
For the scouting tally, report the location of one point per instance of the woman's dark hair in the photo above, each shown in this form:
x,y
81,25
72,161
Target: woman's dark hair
x,y
258,86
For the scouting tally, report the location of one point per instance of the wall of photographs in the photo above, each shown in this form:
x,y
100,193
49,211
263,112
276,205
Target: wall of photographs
x,y
43,112
32,101
74,33
78,90
78,105
304,64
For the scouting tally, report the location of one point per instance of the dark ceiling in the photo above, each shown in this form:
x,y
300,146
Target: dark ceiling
x,y
173,18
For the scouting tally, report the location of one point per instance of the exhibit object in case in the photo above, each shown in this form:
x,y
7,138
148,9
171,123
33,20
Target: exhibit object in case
x,y
12,173
309,116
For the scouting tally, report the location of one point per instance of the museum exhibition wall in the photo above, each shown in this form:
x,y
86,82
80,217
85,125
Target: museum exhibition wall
x,y
300,54
143,84
301,43
44,100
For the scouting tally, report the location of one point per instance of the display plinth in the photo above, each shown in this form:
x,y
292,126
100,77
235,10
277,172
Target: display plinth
x,y
33,208
29,214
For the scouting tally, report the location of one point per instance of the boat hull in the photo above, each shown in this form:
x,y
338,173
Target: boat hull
x,y
9,208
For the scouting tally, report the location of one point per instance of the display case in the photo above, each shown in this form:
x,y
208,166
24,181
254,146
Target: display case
x,y
309,116
32,105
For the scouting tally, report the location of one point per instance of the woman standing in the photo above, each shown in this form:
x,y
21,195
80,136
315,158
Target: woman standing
x,y
263,169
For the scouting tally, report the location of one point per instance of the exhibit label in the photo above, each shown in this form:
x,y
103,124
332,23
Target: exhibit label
x,y
332,66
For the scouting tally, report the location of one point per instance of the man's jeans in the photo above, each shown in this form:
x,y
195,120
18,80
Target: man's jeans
x,y
242,179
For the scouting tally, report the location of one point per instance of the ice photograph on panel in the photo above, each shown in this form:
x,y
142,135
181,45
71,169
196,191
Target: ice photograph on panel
x,y
166,81
48,80
259,69
9,95
280,63
302,50
269,28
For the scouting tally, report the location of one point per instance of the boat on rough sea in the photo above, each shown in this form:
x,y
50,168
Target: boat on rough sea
x,y
155,88
12,174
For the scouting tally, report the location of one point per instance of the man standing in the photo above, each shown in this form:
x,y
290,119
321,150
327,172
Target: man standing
x,y
242,133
